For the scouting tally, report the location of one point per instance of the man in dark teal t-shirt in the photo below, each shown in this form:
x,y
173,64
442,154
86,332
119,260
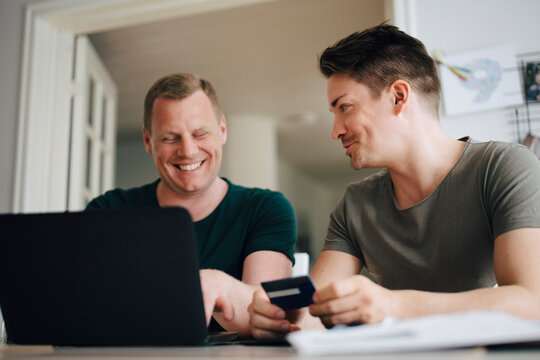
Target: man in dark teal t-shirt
x,y
244,235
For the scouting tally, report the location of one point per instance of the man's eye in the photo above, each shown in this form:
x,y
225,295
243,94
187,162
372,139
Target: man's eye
x,y
343,107
199,135
169,139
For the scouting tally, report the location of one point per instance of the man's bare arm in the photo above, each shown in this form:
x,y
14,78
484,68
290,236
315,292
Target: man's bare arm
x,y
228,296
517,271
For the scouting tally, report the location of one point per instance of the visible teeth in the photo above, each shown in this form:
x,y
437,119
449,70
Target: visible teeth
x,y
190,166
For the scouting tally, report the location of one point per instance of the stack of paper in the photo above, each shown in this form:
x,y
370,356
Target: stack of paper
x,y
445,331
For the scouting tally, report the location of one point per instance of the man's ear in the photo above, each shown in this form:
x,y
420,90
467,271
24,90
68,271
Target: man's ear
x,y
223,129
146,139
401,92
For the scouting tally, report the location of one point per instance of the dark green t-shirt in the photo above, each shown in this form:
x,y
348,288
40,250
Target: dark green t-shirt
x,y
246,220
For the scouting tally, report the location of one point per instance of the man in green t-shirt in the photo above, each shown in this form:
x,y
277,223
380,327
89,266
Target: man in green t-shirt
x,y
439,226
244,235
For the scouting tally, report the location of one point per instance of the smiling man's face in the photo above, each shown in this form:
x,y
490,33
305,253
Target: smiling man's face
x,y
361,122
186,142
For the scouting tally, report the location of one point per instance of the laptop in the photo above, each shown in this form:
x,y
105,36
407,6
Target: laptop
x,y
105,278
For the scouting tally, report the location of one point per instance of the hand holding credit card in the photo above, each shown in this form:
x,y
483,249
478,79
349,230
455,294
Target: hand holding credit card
x,y
290,293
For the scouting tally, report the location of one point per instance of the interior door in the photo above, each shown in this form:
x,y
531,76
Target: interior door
x,y
93,128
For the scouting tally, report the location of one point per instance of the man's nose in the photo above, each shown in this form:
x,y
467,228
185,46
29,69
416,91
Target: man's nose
x,y
338,130
187,147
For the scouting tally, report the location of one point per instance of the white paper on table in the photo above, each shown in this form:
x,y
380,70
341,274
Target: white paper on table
x,y
434,332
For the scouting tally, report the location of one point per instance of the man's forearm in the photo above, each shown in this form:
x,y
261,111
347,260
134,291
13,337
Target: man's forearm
x,y
513,299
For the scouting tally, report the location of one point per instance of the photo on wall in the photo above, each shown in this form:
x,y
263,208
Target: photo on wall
x,y
480,80
532,81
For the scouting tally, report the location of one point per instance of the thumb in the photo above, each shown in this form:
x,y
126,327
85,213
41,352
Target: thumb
x,y
208,309
226,308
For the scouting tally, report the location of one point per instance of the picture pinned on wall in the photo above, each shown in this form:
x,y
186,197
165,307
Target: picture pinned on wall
x,y
532,81
480,80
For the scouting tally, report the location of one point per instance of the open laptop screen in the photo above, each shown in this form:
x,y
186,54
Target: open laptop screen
x,y
106,278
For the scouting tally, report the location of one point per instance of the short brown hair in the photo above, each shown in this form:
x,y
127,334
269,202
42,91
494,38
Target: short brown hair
x,y
380,55
177,86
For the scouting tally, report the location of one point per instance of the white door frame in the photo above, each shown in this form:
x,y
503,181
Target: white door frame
x,y
42,152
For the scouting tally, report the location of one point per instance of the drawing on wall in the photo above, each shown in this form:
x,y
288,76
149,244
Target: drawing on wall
x,y
480,80
532,81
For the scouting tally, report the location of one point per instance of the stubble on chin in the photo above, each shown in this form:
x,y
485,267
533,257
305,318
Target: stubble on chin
x,y
356,163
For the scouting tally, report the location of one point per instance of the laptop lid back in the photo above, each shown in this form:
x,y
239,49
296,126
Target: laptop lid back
x,y
104,278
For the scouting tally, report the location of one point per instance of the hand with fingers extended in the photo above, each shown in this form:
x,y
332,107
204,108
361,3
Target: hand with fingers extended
x,y
268,321
216,297
352,300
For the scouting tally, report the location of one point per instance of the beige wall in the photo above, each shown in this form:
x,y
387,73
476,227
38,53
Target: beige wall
x,y
313,201
250,154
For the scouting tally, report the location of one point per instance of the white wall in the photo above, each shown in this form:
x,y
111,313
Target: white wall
x,y
312,201
134,166
463,25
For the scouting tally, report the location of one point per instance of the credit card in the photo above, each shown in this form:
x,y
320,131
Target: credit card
x,y
290,293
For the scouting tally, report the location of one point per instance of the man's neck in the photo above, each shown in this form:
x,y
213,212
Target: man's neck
x,y
424,167
199,205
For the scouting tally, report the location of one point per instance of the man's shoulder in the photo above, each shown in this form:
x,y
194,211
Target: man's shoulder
x,y
141,196
495,152
492,146
369,183
257,199
254,193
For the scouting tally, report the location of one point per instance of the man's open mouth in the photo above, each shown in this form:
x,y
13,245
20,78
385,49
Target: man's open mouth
x,y
189,167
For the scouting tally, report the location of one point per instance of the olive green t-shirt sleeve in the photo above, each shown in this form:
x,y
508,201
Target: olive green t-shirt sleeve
x,y
514,190
338,236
